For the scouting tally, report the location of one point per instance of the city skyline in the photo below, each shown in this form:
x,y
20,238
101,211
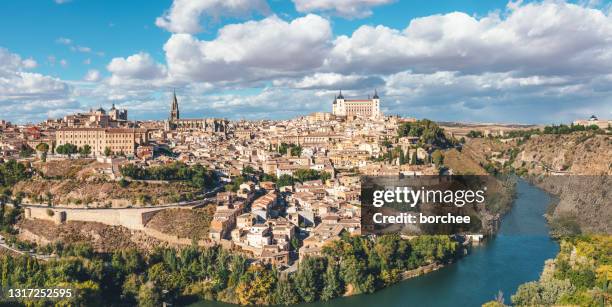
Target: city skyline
x,y
521,62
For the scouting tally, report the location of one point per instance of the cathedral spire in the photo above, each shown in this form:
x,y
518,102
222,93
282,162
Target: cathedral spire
x,y
174,111
375,94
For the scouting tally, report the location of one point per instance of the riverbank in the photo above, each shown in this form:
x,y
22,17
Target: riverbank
x,y
514,256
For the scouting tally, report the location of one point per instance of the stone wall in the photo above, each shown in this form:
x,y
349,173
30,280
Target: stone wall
x,y
132,218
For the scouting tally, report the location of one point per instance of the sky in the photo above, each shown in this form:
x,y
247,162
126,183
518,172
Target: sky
x,y
449,60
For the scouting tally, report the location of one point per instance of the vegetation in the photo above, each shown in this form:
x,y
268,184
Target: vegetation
x,y
128,277
437,158
85,150
580,276
42,147
26,151
296,150
475,134
285,180
427,131
66,149
554,129
12,172
197,174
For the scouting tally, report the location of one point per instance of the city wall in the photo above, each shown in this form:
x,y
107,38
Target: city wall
x,y
132,218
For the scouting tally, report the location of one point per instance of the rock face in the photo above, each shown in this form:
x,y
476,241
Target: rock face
x,y
587,198
579,153
583,164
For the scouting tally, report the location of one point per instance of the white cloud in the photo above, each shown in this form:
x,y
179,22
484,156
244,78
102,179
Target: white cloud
x,y
346,8
63,41
250,51
77,48
537,38
26,96
29,63
139,66
184,15
332,81
92,75
81,49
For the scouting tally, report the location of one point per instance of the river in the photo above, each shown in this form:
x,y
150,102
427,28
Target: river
x,y
516,255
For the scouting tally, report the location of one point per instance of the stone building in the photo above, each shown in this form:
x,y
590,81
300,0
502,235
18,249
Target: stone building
x,y
118,140
193,124
365,108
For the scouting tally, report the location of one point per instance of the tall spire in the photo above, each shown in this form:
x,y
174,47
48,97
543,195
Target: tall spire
x,y
375,94
174,111
340,95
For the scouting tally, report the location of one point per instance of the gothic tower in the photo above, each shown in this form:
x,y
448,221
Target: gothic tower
x,y
174,112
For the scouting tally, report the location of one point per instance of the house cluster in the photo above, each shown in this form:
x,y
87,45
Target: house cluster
x,y
280,225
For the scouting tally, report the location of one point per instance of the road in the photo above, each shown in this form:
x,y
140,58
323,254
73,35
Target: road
x,y
3,244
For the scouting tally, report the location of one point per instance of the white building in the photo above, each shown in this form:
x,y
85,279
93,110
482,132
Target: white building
x,y
368,108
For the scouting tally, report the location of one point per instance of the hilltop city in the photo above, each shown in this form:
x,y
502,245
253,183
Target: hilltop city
x,y
280,190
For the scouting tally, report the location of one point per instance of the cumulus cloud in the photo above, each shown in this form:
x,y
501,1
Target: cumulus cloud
x,y
29,63
92,75
536,38
332,81
184,15
139,66
346,8
27,96
254,50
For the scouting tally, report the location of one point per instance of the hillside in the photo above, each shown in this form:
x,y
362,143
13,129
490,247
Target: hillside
x,y
102,193
580,153
103,238
183,223
584,161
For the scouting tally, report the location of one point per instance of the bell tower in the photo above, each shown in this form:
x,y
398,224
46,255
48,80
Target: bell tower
x,y
174,111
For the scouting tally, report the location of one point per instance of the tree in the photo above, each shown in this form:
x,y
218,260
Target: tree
x,y
107,151
285,180
66,149
309,278
437,157
331,280
285,293
42,147
26,151
256,286
402,158
149,295
85,150
413,159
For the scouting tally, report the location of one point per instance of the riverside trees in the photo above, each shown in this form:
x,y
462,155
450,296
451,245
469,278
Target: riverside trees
x,y
353,264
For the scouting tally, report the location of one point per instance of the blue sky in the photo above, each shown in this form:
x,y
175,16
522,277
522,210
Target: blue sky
x,y
477,61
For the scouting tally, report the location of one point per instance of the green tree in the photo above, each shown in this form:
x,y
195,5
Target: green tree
x,y
285,180
309,280
149,295
107,151
437,157
332,285
42,147
85,150
413,159
285,292
26,151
